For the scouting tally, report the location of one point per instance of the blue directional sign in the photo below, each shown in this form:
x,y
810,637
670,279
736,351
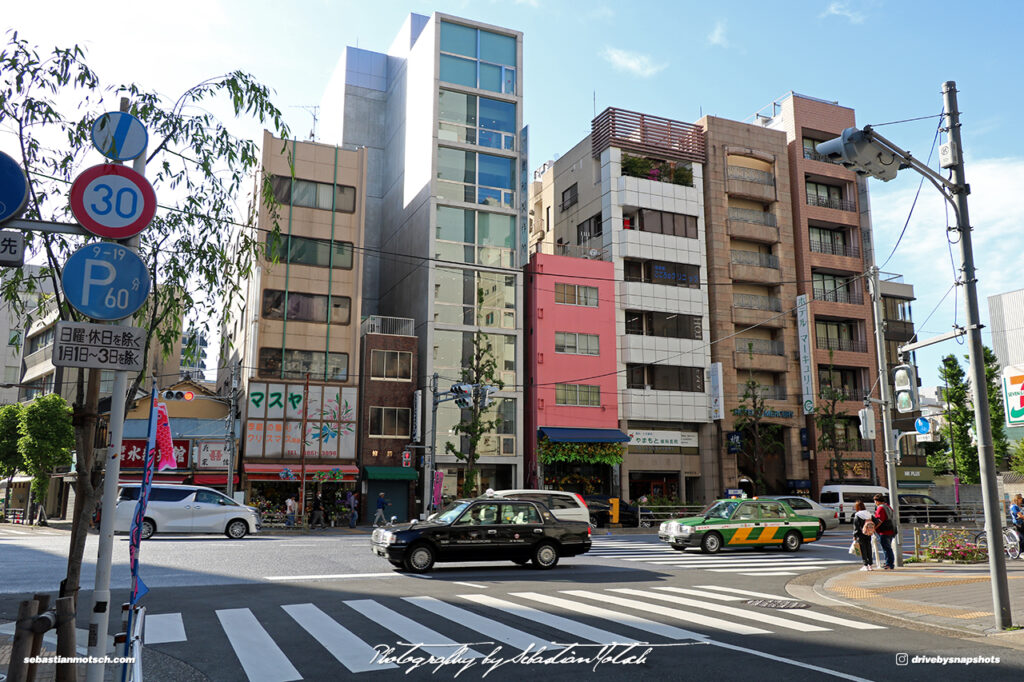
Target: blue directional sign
x,y
922,425
105,281
13,188
119,136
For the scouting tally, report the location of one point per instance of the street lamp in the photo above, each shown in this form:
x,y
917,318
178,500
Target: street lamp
x,y
868,153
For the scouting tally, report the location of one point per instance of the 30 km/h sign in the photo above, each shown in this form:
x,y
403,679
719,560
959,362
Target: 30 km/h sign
x,y
105,281
113,201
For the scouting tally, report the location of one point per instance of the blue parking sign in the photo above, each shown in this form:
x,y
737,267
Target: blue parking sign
x,y
105,281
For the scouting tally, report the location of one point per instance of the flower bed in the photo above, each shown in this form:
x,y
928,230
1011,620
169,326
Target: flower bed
x,y
954,547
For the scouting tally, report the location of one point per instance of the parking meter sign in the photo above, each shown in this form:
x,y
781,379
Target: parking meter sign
x,y
105,281
113,201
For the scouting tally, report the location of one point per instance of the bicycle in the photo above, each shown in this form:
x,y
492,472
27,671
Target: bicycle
x,y
1011,541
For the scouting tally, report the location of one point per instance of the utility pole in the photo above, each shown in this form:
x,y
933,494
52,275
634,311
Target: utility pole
x,y
233,405
431,460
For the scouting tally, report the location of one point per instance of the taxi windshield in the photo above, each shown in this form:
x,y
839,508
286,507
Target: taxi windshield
x,y
451,512
721,510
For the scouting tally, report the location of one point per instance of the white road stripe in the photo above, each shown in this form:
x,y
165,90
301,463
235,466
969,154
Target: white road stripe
x,y
702,593
751,568
15,532
333,576
630,620
164,628
764,573
485,626
261,659
566,625
722,609
459,582
803,613
410,631
351,652
688,616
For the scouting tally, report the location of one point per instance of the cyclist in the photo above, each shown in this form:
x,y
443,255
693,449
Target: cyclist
x,y
1017,517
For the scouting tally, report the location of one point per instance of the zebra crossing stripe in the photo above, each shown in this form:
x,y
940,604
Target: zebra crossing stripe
x,y
566,625
261,659
351,652
411,631
485,626
751,568
761,574
688,616
729,610
164,628
668,631
803,613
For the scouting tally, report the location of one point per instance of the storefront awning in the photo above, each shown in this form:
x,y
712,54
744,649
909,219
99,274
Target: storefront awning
x,y
558,434
392,473
292,472
157,478
213,479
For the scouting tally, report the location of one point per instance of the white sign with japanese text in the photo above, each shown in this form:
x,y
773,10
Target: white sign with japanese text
x,y
213,454
803,332
98,346
671,439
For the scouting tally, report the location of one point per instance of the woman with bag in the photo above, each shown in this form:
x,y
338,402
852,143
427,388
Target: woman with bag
x,y
863,529
885,526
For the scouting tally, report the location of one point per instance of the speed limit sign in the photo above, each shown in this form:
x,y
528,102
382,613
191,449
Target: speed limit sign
x,y
113,201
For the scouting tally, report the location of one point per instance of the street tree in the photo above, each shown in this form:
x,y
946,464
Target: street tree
x,y
1016,457
10,456
476,421
759,439
829,420
996,409
956,435
200,245
47,437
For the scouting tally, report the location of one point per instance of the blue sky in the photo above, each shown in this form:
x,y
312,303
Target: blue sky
x,y
884,58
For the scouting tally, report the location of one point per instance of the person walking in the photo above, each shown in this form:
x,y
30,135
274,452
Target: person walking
x,y
353,505
381,506
885,526
289,511
863,529
318,512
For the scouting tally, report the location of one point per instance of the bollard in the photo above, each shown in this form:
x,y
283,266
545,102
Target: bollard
x,y
37,634
66,672
17,670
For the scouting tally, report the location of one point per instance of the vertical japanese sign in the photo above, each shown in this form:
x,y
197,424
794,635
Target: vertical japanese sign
x,y
717,392
803,333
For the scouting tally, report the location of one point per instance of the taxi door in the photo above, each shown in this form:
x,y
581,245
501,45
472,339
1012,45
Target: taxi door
x,y
521,527
474,536
748,527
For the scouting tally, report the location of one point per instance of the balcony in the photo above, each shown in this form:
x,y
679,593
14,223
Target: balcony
x,y
838,296
746,215
766,392
393,326
647,135
760,346
899,330
750,309
847,345
755,302
761,260
834,249
750,266
826,202
573,250
760,355
752,183
815,156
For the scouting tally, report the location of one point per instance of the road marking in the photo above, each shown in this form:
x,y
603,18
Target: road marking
x,y
750,568
668,631
459,582
15,532
333,576
688,616
485,626
566,625
164,628
349,650
803,613
261,659
764,573
410,630
789,661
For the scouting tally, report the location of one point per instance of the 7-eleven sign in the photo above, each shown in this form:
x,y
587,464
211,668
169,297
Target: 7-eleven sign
x,y
1013,395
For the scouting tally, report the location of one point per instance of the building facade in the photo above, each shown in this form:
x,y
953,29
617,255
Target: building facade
x,y
13,327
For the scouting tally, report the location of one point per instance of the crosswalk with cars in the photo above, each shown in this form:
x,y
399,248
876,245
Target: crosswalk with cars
x,y
269,647
767,562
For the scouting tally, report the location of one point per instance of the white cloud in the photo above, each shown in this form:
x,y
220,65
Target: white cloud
x,y
632,62
717,35
840,9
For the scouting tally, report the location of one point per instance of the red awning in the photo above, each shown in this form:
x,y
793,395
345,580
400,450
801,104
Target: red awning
x,y
273,472
157,478
213,479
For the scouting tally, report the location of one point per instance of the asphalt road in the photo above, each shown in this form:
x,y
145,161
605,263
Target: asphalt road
x,y
324,608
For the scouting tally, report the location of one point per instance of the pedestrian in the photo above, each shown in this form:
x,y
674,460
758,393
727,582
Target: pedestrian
x,y
353,504
289,511
863,529
318,512
1017,518
381,505
885,527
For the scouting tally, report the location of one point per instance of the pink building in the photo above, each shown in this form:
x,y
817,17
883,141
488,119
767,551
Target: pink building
x,y
570,358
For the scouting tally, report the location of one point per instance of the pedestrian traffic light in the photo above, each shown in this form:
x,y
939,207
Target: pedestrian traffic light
x,y
463,394
179,395
904,386
485,395
856,150
867,423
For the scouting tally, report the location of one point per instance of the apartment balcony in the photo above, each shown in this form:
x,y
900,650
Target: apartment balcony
x,y
750,309
393,326
815,156
837,204
644,134
832,249
586,251
750,266
760,355
766,392
758,226
839,296
750,183
760,347
899,330
844,345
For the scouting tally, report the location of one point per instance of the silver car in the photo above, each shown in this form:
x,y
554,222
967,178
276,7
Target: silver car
x,y
828,518
185,509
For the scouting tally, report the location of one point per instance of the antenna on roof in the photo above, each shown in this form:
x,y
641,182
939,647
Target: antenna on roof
x,y
314,111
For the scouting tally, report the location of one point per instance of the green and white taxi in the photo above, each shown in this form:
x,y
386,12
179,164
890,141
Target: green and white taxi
x,y
741,523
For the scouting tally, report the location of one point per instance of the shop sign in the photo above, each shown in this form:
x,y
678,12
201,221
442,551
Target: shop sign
x,y
912,474
133,453
717,392
1013,395
212,454
276,412
672,439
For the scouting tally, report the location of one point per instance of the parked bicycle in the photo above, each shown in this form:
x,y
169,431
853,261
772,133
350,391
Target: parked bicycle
x,y
1011,541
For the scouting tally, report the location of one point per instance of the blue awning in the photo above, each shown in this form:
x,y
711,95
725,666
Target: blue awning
x,y
559,434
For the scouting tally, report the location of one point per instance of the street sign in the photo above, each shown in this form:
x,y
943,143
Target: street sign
x,y
13,188
105,281
113,201
98,346
119,136
922,425
12,248
1013,395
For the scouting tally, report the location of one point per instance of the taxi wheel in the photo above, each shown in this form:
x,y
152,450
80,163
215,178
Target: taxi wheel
x,y
711,543
545,556
792,541
148,529
420,559
821,529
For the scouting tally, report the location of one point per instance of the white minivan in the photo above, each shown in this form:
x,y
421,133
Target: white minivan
x,y
564,505
185,509
841,497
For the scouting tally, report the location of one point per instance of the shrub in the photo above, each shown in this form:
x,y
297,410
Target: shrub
x,y
954,547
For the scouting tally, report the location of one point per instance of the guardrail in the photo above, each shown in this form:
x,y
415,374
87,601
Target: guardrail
x,y
941,513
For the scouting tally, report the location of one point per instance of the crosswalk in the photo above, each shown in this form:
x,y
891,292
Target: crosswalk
x,y
269,648
768,562
13,531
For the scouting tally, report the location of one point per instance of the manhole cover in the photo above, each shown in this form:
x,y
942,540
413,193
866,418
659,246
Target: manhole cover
x,y
778,603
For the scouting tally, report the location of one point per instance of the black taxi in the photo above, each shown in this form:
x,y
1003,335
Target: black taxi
x,y
484,529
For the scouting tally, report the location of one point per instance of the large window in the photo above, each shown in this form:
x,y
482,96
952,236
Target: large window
x,y
477,58
665,378
472,297
662,222
662,272
570,196
671,325
575,294
40,341
453,351
389,422
468,236
306,307
476,120
828,241
296,364
314,194
829,196
302,251
475,178
588,229
391,364
845,380
836,288
578,394
577,344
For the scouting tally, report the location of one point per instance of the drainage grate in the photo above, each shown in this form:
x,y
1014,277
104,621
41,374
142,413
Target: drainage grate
x,y
778,603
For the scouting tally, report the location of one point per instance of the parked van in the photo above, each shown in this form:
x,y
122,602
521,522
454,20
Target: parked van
x,y
565,506
185,509
841,498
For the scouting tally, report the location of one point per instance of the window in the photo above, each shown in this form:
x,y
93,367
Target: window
x,y
453,350
391,364
519,513
476,120
833,242
578,394
662,272
303,251
569,197
829,287
40,341
475,178
306,307
662,222
468,236
845,380
588,229
390,422
671,325
311,194
897,309
577,344
14,337
665,378
485,60
319,365
473,297
573,294
828,196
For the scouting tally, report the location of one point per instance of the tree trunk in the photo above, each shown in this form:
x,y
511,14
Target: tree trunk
x,y
87,485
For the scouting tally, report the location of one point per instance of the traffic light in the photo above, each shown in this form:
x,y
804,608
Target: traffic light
x,y
867,423
904,386
179,395
857,151
463,394
485,395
